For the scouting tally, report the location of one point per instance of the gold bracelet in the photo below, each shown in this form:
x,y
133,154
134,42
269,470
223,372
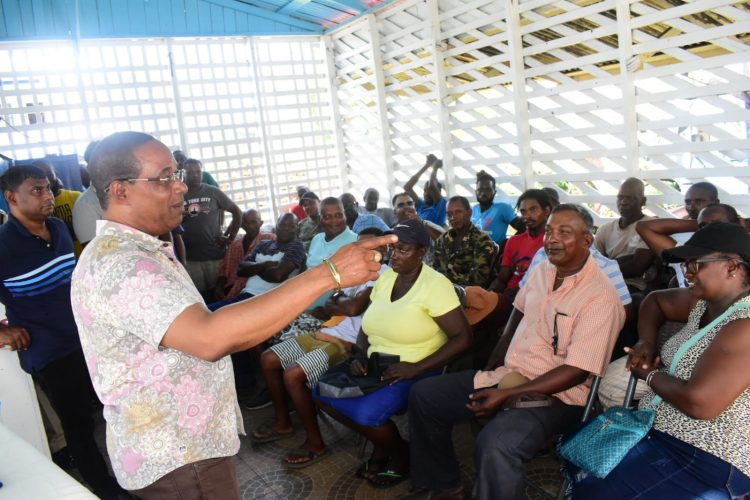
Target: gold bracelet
x,y
335,274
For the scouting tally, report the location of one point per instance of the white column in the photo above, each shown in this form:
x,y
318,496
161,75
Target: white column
x,y
333,87
377,63
517,69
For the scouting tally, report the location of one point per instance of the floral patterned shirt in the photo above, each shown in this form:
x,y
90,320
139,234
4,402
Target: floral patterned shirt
x,y
164,408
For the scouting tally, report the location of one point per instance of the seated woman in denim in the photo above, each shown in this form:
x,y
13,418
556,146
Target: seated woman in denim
x,y
416,315
699,446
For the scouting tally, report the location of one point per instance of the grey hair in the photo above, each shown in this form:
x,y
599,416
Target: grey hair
x,y
585,216
114,159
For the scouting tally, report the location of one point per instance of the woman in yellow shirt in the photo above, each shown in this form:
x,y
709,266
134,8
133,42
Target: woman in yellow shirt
x,y
416,315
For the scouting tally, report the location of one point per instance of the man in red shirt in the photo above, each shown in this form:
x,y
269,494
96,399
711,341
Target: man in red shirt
x,y
535,207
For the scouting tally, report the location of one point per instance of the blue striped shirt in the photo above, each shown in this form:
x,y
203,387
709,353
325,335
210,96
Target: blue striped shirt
x,y
35,290
609,267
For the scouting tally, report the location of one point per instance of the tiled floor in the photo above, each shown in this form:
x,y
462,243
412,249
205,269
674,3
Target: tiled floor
x,y
263,476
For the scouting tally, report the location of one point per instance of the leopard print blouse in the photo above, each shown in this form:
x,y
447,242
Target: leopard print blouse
x,y
726,436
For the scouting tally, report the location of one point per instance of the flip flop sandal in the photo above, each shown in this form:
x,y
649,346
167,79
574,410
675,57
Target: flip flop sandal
x,y
369,466
302,453
388,477
268,435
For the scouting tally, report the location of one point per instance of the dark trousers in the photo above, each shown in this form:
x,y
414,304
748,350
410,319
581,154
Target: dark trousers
x,y
212,479
221,303
508,439
664,467
67,384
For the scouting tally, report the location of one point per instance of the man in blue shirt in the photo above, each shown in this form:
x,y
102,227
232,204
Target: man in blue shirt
x,y
432,206
490,216
36,252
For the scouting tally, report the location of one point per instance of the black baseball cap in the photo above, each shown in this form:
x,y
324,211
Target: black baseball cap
x,y
412,231
309,196
717,237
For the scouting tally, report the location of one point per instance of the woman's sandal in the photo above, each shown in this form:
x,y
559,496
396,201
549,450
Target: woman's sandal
x,y
369,468
387,478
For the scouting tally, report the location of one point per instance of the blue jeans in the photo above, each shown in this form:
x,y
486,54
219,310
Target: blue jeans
x,y
661,466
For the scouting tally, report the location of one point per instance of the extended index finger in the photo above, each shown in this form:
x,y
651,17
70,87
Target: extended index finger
x,y
379,241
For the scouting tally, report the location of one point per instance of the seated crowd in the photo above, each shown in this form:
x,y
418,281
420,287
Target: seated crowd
x,y
462,323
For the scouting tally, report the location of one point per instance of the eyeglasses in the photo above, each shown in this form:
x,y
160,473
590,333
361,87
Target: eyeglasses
x,y
177,175
694,266
405,204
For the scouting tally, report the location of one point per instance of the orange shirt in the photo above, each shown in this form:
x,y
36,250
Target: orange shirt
x,y
589,319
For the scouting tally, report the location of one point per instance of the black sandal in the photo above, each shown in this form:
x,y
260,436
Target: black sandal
x,y
388,478
369,468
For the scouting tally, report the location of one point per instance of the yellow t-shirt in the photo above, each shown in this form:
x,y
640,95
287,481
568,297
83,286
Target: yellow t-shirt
x,y
64,211
405,327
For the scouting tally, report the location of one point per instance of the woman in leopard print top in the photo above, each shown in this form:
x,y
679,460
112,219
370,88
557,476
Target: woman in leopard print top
x,y
699,446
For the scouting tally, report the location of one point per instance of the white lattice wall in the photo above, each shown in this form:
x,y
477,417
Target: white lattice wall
x,y
257,112
578,95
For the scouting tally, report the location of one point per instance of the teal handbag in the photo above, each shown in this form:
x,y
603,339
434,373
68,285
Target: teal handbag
x,y
601,444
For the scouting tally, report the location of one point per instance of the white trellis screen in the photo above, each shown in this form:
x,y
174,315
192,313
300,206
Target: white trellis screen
x,y
257,112
573,94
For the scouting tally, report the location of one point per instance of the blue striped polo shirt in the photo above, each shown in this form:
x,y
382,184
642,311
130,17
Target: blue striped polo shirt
x,y
35,290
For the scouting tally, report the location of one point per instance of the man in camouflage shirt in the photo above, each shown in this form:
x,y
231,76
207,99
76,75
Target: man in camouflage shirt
x,y
464,253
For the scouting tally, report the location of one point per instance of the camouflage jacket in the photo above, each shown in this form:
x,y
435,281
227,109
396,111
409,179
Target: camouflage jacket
x,y
470,263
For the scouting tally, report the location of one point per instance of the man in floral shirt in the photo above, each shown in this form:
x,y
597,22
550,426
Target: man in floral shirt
x,y
158,358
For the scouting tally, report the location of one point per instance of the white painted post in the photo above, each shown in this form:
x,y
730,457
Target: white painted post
x,y
444,119
176,96
377,63
629,64
263,130
517,68
333,94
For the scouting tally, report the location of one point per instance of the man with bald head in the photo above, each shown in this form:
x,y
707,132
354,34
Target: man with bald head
x,y
229,285
662,234
357,220
371,198
158,358
619,240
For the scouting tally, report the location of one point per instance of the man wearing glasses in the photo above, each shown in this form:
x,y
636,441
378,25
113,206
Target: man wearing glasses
x,y
156,355
562,329
205,243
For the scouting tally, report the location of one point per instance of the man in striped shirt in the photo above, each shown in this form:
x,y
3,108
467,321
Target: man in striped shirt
x,y
562,330
36,252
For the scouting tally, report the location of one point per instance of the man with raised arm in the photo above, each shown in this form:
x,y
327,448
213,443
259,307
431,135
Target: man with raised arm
x,y
432,207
